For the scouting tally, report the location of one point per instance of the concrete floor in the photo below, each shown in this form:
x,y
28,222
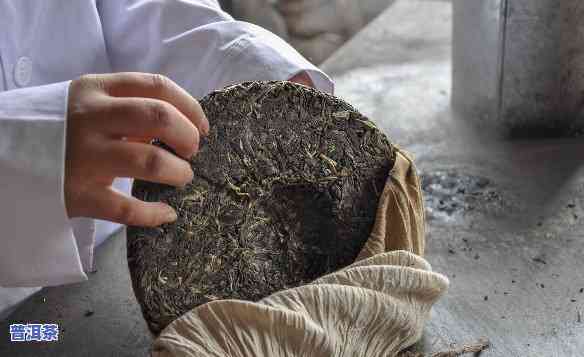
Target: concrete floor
x,y
99,317
504,219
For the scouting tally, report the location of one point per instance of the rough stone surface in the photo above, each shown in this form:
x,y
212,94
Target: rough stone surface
x,y
529,202
402,79
450,194
285,190
116,327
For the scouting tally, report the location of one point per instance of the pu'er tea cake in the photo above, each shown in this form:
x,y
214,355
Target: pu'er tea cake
x,y
286,189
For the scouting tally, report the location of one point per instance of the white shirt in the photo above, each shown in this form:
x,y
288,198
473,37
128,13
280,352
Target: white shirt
x,y
44,45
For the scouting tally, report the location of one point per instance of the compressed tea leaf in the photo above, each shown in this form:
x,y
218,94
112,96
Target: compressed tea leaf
x,y
285,190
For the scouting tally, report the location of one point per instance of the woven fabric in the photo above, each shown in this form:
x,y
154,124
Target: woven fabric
x,y
374,307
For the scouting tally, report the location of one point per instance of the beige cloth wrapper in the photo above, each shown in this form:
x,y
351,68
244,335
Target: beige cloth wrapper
x,y
374,307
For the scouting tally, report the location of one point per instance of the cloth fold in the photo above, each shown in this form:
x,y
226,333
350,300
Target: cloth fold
x,y
377,306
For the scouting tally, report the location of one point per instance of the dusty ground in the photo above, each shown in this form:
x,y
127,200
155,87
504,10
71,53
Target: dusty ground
x,y
505,219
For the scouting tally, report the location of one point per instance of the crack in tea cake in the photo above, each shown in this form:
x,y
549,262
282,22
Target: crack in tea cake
x,y
286,189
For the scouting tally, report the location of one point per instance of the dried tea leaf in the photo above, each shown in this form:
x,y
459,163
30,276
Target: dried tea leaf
x,y
284,192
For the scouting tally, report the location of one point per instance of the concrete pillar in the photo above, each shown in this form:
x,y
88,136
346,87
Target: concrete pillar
x,y
572,65
518,65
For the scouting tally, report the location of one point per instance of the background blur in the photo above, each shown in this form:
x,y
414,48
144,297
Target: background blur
x,y
316,28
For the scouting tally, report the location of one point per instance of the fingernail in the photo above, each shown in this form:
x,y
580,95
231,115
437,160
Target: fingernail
x,y
171,216
206,129
190,178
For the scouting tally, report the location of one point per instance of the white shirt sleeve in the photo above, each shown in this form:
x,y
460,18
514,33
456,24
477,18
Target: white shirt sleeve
x,y
197,45
194,43
37,242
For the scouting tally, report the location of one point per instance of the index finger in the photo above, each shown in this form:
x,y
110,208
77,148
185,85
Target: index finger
x,y
156,86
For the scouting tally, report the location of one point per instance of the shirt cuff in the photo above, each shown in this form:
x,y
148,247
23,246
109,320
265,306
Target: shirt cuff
x,y
38,244
84,231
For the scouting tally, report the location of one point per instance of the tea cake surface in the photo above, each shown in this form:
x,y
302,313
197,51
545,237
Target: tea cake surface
x,y
285,190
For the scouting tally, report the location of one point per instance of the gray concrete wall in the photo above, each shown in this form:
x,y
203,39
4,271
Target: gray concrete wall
x,y
476,59
531,65
518,65
572,66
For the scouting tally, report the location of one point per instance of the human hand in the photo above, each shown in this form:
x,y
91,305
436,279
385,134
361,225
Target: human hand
x,y
111,120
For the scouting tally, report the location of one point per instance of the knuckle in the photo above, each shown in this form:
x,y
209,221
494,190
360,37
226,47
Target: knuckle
x,y
83,95
90,81
153,163
127,214
160,115
86,78
159,83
